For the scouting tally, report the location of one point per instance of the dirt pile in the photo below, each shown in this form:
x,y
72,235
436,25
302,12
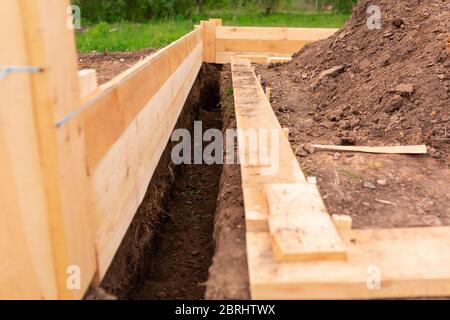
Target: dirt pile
x,y
388,86
384,86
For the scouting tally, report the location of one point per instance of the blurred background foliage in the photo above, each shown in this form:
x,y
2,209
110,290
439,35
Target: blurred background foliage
x,y
128,25
143,10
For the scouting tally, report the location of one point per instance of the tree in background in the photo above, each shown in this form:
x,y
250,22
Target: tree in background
x,y
141,10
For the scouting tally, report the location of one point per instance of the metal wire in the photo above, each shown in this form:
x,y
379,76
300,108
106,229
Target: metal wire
x,y
6,71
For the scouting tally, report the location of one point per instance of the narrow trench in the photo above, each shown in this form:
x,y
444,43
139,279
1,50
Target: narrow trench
x,y
177,262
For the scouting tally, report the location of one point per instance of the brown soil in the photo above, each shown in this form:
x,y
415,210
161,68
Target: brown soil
x,y
228,275
168,247
152,224
111,64
388,87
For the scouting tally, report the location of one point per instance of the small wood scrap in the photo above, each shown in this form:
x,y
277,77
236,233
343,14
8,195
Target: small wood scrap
x,y
88,82
342,222
263,58
279,59
385,202
254,58
268,92
416,149
286,132
300,227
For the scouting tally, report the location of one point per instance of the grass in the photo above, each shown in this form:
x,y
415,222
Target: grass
x,y
129,36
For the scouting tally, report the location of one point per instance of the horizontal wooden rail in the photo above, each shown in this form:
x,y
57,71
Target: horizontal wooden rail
x,y
121,178
275,42
128,122
112,110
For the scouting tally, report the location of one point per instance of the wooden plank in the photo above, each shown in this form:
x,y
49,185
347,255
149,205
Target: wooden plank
x,y
409,263
300,227
419,149
274,33
107,115
26,263
256,40
121,178
254,58
279,59
55,93
218,22
263,59
250,45
225,57
253,112
87,79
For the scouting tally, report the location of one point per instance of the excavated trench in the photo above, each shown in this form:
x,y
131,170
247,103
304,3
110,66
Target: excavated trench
x,y
169,247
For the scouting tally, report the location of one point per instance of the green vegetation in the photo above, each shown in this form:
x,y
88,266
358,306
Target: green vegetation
x,y
130,36
128,25
143,10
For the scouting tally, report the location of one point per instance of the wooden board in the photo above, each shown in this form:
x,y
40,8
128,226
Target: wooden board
x,y
26,257
300,226
273,33
254,112
109,113
209,40
279,42
225,57
419,149
254,58
121,178
407,263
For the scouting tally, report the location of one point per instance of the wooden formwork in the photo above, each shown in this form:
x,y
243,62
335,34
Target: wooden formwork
x,y
77,160
296,251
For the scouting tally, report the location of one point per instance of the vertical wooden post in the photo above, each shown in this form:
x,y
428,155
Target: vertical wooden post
x,y
209,41
46,197
218,22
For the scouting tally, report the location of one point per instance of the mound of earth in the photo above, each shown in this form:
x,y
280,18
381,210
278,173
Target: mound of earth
x,y
373,87
387,86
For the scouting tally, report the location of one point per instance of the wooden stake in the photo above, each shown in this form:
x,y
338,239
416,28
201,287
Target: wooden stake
x,y
57,227
88,82
209,41
286,132
268,93
342,222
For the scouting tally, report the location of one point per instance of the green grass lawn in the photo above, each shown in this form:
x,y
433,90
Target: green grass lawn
x,y
128,36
